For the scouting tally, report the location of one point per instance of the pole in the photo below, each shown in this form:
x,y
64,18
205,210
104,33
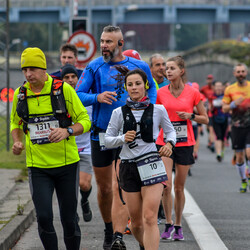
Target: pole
x,y
114,23
89,21
7,76
75,8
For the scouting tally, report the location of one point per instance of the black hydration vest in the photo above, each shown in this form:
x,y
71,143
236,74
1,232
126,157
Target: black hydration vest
x,y
57,101
146,122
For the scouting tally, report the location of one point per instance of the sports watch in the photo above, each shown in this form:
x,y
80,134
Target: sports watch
x,y
70,130
192,116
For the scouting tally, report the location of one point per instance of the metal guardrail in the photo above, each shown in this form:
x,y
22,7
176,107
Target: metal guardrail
x,y
62,3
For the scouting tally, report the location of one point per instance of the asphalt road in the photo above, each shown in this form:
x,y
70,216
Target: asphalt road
x,y
215,187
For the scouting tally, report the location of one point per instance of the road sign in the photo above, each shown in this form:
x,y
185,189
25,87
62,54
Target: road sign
x,y
4,94
85,44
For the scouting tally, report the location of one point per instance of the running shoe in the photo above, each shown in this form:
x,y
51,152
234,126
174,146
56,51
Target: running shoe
x,y
159,221
127,230
108,238
118,243
141,247
219,158
178,234
212,148
243,188
169,229
86,211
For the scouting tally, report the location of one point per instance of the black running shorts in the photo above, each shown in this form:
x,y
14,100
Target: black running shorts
x,y
240,138
130,180
183,155
102,158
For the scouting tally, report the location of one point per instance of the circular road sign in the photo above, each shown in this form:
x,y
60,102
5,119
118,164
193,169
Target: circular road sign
x,y
85,44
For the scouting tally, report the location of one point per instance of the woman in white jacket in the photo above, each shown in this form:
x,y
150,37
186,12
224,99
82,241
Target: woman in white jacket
x,y
135,127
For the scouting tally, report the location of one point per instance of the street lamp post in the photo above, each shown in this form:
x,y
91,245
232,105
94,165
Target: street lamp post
x,y
6,48
7,76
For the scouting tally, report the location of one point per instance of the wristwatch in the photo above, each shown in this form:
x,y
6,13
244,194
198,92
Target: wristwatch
x,y
70,130
192,116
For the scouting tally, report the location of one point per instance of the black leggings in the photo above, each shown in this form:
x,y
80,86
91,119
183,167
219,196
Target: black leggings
x,y
65,181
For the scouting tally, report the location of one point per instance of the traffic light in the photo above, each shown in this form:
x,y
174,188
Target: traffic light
x,y
77,24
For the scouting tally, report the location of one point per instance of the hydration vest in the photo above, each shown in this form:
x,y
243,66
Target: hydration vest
x,y
57,101
146,122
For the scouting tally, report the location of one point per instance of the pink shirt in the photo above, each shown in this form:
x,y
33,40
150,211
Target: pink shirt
x,y
189,98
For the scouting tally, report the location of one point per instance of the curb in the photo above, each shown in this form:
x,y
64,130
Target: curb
x,y
16,227
11,188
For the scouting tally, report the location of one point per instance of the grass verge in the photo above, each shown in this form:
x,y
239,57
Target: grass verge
x,y
10,161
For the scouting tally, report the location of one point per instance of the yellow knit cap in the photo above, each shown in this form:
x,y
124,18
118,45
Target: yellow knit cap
x,y
33,58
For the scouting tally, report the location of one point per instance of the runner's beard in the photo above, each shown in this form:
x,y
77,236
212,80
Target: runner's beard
x,y
241,79
112,54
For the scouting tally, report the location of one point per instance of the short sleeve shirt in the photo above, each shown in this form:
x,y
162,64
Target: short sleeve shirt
x,y
241,114
189,98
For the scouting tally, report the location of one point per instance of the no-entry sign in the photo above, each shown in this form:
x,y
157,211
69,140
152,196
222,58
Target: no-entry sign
x,y
85,44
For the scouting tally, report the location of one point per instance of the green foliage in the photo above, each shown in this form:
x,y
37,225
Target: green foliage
x,y
190,35
20,207
7,159
237,50
10,161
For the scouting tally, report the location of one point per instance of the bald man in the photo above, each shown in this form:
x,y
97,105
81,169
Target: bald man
x,y
108,93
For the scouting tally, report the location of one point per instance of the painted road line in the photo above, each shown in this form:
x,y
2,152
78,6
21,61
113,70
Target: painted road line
x,y
202,230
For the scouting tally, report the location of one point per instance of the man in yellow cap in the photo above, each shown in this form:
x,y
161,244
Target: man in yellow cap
x,y
50,114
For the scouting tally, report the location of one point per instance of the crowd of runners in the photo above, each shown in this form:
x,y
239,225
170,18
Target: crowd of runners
x,y
146,120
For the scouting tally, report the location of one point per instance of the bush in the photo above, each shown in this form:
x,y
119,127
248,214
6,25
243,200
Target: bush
x,y
237,50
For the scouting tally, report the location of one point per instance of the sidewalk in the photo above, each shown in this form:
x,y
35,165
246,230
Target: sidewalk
x,y
13,195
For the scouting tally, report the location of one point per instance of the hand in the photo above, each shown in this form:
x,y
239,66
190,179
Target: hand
x,y
58,134
239,100
166,150
130,136
183,115
17,148
107,97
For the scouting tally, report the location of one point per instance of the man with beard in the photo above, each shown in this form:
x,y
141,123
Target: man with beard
x,y
157,66
107,93
237,100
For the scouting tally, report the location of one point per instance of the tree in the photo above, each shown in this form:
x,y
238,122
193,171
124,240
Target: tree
x,y
36,34
190,35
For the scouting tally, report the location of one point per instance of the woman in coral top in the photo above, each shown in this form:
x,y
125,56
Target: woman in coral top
x,y
179,99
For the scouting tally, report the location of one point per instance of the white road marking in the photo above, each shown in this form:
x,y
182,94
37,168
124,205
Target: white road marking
x,y
202,230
